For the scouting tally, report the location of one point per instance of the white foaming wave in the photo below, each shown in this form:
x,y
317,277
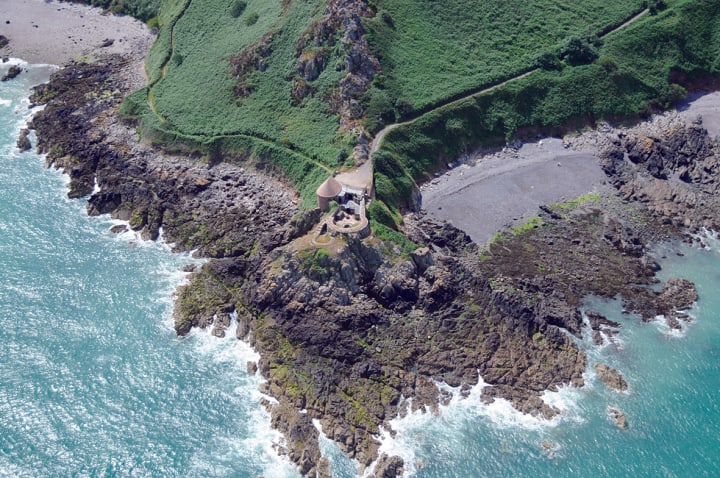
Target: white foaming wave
x,y
261,445
11,61
4,102
708,239
661,324
461,410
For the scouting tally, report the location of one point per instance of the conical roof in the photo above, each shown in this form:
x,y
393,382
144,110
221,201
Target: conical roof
x,y
330,188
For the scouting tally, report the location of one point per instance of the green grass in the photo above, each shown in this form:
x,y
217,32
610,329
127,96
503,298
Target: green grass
x,y
434,50
196,97
431,52
533,223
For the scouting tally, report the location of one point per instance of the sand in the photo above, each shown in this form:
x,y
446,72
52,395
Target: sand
x,y
490,192
52,32
505,189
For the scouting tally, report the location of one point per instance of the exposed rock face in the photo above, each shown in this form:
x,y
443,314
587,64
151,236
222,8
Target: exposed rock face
x,y
611,377
673,174
253,58
314,47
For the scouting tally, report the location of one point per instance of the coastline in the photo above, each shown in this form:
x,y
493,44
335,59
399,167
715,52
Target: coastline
x,y
201,304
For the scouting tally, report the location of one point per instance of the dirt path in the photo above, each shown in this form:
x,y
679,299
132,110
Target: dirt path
x,y
381,134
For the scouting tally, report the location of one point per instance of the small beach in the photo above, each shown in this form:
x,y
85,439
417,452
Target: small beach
x,y
51,32
489,191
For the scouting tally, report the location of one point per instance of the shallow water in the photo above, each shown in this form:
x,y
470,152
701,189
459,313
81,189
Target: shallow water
x,y
95,382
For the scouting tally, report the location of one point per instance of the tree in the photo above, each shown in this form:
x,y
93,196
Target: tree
x,y
578,51
547,60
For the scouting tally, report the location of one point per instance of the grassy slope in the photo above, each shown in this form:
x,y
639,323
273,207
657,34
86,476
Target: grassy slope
x,y
642,57
436,49
196,96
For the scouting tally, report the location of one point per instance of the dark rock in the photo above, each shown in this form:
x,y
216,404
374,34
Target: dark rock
x,y
252,368
107,42
422,259
119,229
388,466
23,142
12,73
4,41
618,417
611,377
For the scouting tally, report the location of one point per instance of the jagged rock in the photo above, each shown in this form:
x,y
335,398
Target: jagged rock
x,y
422,259
4,41
252,368
388,466
12,73
618,417
678,294
621,237
23,142
611,377
673,173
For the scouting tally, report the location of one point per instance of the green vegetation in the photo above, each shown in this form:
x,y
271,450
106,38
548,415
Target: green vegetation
x,y
434,50
533,223
207,36
237,8
640,67
577,202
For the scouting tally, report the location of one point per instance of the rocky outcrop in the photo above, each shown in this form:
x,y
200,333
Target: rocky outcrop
x,y
618,417
673,173
602,328
342,17
349,332
388,467
13,72
252,59
23,141
611,377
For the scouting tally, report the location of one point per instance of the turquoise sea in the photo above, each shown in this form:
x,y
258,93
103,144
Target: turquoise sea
x,y
94,382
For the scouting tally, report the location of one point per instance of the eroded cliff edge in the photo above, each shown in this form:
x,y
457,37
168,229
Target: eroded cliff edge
x,y
354,332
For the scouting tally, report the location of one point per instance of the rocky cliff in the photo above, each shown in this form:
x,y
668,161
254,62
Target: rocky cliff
x,y
356,333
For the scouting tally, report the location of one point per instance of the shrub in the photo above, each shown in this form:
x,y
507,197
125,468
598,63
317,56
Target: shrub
x,y
547,60
237,8
252,19
608,63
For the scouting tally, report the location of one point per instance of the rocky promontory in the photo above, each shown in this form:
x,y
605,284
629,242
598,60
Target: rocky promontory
x,y
354,332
